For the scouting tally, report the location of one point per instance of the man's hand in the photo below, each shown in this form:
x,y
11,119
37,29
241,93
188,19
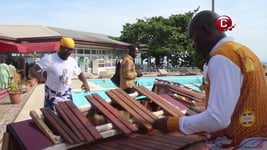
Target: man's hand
x,y
85,87
161,125
167,124
139,73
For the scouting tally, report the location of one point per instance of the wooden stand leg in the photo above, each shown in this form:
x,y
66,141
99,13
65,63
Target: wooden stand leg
x,y
5,144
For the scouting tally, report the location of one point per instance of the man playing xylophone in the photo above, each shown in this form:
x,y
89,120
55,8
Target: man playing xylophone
x,y
235,88
60,68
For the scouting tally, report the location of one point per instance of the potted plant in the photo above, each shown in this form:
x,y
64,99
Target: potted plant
x,y
15,93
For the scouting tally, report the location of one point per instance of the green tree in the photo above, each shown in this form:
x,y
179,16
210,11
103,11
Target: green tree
x,y
165,37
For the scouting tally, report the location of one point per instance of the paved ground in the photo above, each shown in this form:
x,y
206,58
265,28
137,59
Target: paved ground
x,y
8,111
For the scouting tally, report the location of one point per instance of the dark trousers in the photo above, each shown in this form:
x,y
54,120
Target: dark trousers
x,y
129,90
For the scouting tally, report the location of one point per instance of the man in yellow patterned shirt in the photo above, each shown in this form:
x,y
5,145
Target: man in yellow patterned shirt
x,y
235,87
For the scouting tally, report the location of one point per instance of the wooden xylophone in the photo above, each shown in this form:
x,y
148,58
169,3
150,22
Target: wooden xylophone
x,y
194,100
77,131
151,141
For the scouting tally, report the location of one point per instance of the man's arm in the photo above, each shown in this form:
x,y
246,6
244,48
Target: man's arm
x,y
225,84
84,81
35,72
139,73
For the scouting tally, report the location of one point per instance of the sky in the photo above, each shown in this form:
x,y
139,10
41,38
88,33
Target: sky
x,y
109,16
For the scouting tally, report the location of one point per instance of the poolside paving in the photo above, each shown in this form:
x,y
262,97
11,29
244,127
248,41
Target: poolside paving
x,y
8,111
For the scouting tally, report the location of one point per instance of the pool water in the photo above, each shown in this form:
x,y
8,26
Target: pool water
x,y
149,81
80,100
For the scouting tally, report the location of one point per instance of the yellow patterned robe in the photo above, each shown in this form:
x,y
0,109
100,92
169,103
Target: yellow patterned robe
x,y
248,119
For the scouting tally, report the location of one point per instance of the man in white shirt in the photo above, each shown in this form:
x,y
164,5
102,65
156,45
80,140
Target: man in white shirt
x,y
59,68
235,89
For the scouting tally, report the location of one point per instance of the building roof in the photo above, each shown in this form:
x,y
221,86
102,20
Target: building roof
x,y
39,33
86,36
26,31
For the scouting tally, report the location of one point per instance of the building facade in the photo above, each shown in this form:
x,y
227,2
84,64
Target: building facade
x,y
26,44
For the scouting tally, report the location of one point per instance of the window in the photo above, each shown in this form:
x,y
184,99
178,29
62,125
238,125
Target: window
x,y
101,63
86,51
80,51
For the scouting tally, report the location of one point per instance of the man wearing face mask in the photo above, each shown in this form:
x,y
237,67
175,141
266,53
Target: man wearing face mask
x,y
59,68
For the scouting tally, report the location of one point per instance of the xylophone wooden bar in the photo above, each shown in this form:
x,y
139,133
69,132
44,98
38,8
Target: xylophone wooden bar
x,y
111,113
79,126
184,109
137,110
153,140
164,104
87,124
186,93
74,126
62,112
143,109
59,126
194,100
116,113
134,104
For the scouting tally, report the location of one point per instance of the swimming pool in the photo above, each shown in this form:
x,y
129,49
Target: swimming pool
x,y
149,81
80,100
